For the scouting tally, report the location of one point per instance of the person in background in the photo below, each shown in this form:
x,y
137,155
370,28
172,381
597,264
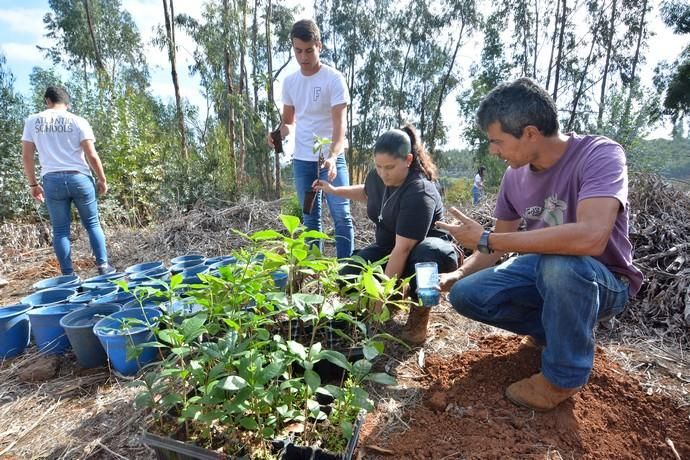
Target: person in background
x,y
315,100
404,204
67,155
478,186
574,264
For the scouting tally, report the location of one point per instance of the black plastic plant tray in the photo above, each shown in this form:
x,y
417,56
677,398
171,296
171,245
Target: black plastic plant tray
x,y
167,448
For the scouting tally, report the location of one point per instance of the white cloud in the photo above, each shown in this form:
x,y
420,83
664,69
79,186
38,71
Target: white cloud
x,y
22,52
24,20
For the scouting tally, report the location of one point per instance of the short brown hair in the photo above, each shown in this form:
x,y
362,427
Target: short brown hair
x,y
306,30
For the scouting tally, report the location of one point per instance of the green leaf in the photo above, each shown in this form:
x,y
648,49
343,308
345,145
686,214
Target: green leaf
x,y
372,286
372,349
176,280
315,234
312,379
291,223
347,429
266,235
297,349
361,368
248,423
335,357
381,378
273,370
233,383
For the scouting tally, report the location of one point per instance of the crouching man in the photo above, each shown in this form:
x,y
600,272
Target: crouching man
x,y
575,263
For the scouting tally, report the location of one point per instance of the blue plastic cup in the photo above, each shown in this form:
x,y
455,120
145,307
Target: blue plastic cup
x,y
428,283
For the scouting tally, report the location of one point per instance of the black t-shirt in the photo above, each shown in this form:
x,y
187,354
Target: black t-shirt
x,y
409,210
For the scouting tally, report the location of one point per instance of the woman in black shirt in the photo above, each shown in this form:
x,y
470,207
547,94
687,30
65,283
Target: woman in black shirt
x,y
404,203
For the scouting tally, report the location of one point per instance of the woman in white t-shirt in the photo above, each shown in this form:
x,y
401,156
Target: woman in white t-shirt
x,y
478,186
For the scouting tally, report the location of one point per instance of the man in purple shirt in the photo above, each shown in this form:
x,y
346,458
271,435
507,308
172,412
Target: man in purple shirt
x,y
574,266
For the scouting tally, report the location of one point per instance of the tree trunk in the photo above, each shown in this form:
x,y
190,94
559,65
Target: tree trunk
x,y
636,60
227,72
92,33
255,55
271,97
170,34
442,91
401,87
243,92
556,78
580,89
536,38
609,47
553,44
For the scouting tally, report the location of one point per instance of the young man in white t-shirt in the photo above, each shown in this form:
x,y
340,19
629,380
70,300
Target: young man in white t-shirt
x,y
315,101
65,145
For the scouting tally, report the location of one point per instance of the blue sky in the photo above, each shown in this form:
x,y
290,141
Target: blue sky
x,y
21,29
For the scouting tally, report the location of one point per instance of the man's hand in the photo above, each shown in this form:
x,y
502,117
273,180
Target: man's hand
x,y
37,193
447,280
269,140
329,165
101,187
467,231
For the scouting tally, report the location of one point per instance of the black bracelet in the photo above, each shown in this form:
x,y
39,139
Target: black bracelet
x,y
33,185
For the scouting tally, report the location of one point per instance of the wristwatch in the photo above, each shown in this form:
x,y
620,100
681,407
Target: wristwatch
x,y
483,245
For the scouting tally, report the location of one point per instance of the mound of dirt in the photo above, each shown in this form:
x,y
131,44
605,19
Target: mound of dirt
x,y
464,413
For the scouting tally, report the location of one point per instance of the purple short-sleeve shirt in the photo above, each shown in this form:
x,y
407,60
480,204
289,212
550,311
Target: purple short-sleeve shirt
x,y
592,166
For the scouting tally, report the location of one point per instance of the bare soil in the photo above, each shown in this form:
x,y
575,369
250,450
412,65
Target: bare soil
x,y
464,414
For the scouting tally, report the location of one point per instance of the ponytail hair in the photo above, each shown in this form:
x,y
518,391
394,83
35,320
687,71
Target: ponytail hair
x,y
421,160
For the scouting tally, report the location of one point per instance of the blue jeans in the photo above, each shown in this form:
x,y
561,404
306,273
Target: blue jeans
x,y
61,189
476,195
556,299
305,173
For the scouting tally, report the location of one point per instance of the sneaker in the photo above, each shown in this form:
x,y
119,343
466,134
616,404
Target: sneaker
x,y
106,269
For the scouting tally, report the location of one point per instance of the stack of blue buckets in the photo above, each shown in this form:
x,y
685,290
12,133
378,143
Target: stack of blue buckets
x,y
88,315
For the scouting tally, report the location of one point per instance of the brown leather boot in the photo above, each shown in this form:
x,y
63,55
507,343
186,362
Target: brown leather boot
x,y
414,331
538,394
530,342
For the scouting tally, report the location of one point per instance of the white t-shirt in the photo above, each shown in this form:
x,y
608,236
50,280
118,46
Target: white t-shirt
x,y
313,97
478,181
57,135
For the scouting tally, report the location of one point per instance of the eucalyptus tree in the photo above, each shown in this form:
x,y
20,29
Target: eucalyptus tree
x,y
15,199
676,14
96,35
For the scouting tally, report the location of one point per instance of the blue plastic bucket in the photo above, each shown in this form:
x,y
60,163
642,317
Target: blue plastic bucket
x,y
14,330
47,297
105,278
142,267
64,281
152,302
191,275
91,295
154,273
280,279
188,258
226,260
78,326
45,327
182,266
115,340
120,298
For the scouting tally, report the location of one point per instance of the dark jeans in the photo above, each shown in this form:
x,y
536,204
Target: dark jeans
x,y
431,249
556,299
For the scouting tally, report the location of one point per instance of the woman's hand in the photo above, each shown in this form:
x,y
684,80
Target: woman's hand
x,y
326,186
